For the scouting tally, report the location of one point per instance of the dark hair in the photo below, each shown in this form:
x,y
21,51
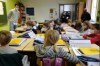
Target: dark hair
x,y
16,4
5,37
97,26
29,23
87,24
35,21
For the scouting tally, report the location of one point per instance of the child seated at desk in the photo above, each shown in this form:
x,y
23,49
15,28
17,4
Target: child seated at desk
x,y
94,37
45,27
49,49
77,25
35,24
29,26
86,28
5,38
57,26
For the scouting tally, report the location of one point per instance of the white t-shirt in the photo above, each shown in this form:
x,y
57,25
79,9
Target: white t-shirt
x,y
88,31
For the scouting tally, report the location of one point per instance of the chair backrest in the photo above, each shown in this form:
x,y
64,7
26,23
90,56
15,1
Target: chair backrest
x,y
52,62
11,59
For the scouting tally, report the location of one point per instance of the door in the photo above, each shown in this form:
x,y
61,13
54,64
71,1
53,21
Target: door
x,y
70,9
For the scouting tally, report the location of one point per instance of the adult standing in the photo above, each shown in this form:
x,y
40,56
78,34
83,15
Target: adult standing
x,y
63,17
85,16
13,17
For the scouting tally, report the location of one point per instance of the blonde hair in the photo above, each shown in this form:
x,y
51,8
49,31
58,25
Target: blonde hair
x,y
51,37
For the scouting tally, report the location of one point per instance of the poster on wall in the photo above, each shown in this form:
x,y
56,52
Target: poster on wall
x,y
53,13
1,9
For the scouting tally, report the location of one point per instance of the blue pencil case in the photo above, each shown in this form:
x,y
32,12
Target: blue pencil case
x,y
84,58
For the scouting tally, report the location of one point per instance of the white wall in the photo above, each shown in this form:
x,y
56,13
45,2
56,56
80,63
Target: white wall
x,y
42,7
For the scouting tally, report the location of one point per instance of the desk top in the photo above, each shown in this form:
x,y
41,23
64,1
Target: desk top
x,y
20,29
20,48
29,46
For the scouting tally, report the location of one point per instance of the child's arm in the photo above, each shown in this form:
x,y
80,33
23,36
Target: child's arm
x,y
69,57
94,39
87,36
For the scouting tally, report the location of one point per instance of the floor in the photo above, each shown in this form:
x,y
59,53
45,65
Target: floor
x,y
4,26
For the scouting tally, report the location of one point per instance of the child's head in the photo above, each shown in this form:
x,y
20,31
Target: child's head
x,y
96,28
34,23
86,25
29,24
46,24
51,37
58,24
51,23
5,37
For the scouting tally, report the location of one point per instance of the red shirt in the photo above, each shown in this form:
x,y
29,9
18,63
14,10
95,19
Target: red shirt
x,y
95,38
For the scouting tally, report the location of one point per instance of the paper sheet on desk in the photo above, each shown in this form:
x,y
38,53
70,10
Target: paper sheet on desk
x,y
41,38
78,53
32,34
93,63
72,30
80,43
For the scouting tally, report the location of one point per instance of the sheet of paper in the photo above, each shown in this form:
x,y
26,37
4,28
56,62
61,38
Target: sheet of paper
x,y
80,43
41,38
75,50
93,63
32,34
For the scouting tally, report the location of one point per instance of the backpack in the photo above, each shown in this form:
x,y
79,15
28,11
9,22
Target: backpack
x,y
52,62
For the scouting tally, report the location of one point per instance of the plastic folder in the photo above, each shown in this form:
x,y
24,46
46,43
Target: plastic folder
x,y
16,34
16,41
88,51
60,42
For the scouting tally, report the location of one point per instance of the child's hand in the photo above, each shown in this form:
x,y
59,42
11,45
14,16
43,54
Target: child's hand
x,y
88,37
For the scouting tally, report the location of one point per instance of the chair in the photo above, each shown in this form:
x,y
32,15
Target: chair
x,y
15,59
40,62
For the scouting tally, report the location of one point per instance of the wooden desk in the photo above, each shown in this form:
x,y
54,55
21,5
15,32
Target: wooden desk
x,y
16,35
29,46
20,29
20,48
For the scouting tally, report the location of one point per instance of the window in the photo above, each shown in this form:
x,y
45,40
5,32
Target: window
x,y
1,9
94,10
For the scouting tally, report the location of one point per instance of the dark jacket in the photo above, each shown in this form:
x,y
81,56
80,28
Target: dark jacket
x,y
85,16
11,59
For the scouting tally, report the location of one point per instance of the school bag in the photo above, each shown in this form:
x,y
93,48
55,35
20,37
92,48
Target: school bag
x,y
52,62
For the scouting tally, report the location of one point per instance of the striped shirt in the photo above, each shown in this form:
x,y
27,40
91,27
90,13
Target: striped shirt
x,y
48,51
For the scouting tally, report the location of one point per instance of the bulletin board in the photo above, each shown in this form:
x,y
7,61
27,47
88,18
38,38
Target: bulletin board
x,y
30,11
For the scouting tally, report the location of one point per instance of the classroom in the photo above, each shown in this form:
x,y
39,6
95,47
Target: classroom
x,y
49,33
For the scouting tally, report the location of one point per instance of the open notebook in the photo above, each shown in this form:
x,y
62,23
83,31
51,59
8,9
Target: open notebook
x,y
27,34
80,43
17,41
88,52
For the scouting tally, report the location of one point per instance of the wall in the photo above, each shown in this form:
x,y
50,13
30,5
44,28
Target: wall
x,y
99,8
98,13
42,7
8,5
